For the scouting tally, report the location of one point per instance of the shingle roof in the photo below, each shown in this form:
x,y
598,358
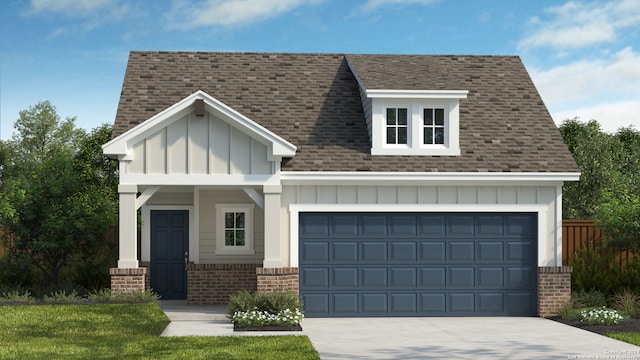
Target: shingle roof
x,y
312,101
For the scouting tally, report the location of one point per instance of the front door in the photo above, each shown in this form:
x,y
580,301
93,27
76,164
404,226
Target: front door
x,y
169,253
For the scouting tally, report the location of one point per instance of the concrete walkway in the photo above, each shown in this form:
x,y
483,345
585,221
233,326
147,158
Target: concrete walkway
x,y
419,338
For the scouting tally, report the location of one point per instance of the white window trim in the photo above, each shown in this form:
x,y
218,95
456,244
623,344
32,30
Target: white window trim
x,y
414,144
248,248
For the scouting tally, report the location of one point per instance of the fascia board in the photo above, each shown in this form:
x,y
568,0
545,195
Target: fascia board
x,y
417,94
406,178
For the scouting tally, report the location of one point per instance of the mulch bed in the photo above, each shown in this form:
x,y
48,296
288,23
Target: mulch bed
x,y
267,328
630,325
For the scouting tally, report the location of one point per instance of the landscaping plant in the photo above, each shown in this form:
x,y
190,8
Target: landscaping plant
x,y
281,308
601,316
627,301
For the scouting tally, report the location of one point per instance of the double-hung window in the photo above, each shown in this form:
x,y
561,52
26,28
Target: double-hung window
x,y
234,229
397,131
433,130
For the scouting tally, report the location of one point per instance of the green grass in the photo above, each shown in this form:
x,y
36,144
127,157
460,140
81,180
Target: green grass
x,y
630,337
125,331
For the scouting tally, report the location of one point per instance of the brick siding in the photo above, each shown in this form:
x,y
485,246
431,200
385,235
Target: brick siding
x,y
554,289
147,276
212,284
270,279
128,280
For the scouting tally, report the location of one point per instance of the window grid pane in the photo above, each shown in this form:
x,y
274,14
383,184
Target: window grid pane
x,y
397,125
433,131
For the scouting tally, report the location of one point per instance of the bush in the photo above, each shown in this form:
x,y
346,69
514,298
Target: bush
x,y
253,318
627,301
601,316
62,296
599,268
107,296
17,296
569,309
270,302
591,298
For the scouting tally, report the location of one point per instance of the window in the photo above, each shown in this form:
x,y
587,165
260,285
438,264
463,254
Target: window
x,y
397,126
434,127
234,229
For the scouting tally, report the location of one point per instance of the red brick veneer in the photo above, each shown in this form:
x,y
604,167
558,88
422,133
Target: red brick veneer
x,y
270,279
127,280
554,289
212,284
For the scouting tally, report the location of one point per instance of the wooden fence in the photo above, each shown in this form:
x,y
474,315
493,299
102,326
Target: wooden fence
x,y
577,234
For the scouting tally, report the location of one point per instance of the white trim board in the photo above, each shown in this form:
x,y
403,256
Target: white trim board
x,y
540,209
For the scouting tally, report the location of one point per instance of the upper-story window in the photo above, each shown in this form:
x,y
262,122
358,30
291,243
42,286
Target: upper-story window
x,y
396,126
414,122
434,127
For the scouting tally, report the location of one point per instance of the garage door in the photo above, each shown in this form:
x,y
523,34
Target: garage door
x,y
418,264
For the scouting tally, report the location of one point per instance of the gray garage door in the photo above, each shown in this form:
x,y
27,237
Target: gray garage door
x,y
418,264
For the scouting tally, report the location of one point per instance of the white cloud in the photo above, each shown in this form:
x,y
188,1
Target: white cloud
x,y
591,79
189,15
70,8
605,89
611,117
580,24
372,5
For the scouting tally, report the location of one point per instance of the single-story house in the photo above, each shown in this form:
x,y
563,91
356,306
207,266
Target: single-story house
x,y
375,185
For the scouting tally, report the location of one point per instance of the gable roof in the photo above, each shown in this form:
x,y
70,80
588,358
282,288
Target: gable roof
x,y
278,147
313,102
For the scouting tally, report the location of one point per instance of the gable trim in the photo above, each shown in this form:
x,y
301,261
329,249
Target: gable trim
x,y
122,145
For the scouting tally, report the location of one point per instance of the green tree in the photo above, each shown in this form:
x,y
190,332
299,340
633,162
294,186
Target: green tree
x,y
59,196
596,154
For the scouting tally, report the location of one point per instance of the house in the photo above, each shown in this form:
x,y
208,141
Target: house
x,y
375,185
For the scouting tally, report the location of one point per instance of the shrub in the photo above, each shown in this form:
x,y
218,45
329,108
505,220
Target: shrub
x,y
270,302
570,309
17,296
627,301
601,316
252,318
107,296
591,298
593,268
62,296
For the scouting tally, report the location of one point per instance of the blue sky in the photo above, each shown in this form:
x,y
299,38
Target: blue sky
x,y
583,56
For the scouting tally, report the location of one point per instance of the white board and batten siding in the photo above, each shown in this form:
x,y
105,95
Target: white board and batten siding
x,y
199,145
545,200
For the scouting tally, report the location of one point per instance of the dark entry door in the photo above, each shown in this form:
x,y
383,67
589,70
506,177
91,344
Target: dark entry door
x,y
169,249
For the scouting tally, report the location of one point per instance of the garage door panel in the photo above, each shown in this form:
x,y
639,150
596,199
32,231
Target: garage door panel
x,y
461,277
462,251
403,303
315,303
374,252
373,225
404,277
461,303
345,278
418,264
345,303
433,277
490,277
402,225
432,225
403,251
433,303
490,225
374,303
345,252
520,278
460,225
374,277
433,252
490,302
314,278
344,225
315,252
490,251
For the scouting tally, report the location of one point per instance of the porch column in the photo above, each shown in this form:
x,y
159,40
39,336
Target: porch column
x,y
272,238
128,242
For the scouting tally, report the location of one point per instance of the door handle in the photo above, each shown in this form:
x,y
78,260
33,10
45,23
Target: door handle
x,y
186,257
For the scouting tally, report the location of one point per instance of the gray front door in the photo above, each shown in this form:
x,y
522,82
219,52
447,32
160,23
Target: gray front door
x,y
418,264
169,248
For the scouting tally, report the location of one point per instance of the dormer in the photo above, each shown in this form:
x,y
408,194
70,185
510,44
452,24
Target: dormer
x,y
412,122
415,122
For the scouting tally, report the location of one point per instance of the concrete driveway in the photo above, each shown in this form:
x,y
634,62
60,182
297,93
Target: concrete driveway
x,y
459,338
419,338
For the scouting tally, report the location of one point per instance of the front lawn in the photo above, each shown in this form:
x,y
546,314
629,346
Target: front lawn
x,y
125,331
630,337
